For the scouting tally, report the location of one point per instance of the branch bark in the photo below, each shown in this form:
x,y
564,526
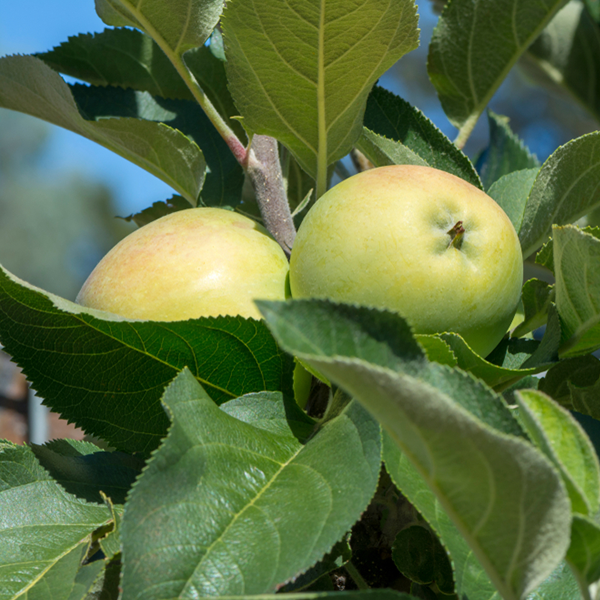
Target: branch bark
x,y
264,169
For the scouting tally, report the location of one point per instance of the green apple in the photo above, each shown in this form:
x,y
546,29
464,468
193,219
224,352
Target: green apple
x,y
200,262
417,241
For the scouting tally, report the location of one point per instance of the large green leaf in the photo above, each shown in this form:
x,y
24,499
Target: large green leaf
x,y
584,552
75,359
43,530
504,497
505,153
225,507
474,46
576,260
565,190
176,26
536,297
568,51
302,71
407,130
560,437
28,85
224,178
132,59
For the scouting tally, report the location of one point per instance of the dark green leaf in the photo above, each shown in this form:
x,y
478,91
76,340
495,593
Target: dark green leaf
x,y
28,85
282,505
584,552
474,46
225,177
565,190
41,524
511,193
505,497
158,210
394,119
74,358
85,470
505,153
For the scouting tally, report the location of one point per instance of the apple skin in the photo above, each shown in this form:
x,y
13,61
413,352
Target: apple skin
x,y
201,262
380,238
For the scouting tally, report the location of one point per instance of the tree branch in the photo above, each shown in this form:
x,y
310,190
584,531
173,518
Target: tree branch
x,y
264,169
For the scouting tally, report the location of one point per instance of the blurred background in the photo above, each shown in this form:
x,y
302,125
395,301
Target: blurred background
x,y
60,193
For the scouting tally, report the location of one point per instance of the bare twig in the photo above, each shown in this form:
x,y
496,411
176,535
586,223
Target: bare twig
x,y
264,169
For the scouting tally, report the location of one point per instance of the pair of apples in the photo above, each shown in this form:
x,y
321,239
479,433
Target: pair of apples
x,y
410,239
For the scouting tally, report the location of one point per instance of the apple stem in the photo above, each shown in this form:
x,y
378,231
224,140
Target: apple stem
x,y
457,233
264,169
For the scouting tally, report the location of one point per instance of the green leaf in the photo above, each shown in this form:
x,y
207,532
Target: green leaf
x,y
565,190
225,177
474,46
536,297
74,358
584,552
575,384
560,437
158,210
382,151
505,153
119,57
568,52
560,585
58,582
511,193
85,471
282,505
131,59
514,365
376,594
176,26
393,119
28,85
594,8
41,524
320,121
576,255
86,580
458,435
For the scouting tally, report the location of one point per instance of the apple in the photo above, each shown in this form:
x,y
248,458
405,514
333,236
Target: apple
x,y
201,262
417,241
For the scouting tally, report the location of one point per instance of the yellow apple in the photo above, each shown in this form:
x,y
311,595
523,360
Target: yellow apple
x,y
417,241
201,262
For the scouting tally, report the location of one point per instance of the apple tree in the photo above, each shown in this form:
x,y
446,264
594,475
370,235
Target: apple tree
x,y
326,448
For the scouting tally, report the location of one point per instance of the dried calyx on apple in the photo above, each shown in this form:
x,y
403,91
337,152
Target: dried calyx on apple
x,y
417,241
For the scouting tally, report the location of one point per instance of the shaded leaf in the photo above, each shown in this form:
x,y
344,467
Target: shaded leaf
x,y
536,297
322,118
474,46
505,153
560,585
393,119
452,428
74,358
565,190
158,210
576,256
28,85
560,437
382,151
584,552
511,193
85,471
281,505
568,52
41,524
224,178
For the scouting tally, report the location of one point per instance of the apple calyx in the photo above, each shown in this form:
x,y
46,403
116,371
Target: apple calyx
x,y
456,235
